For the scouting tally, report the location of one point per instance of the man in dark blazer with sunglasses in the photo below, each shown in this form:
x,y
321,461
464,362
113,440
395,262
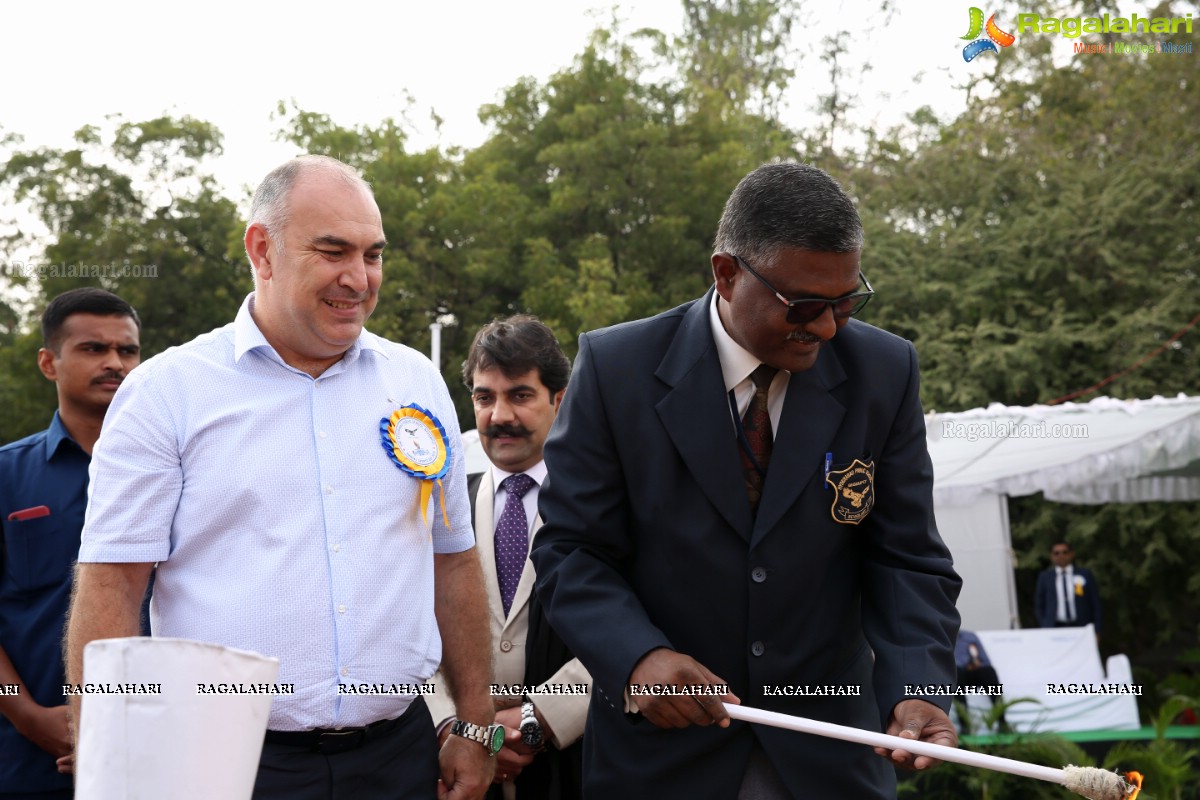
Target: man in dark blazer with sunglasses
x,y
739,509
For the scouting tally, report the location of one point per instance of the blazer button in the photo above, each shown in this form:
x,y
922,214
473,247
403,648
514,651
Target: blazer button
x,y
758,574
758,648
505,645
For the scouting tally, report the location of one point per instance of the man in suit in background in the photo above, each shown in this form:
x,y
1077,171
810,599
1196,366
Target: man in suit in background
x,y
1067,596
517,373
739,506
975,669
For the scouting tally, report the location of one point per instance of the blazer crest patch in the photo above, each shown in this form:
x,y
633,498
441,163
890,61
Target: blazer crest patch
x,y
854,492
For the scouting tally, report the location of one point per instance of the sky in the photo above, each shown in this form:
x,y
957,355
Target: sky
x,y
69,64
72,64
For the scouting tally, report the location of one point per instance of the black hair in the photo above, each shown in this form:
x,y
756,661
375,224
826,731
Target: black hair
x,y
517,345
85,300
788,205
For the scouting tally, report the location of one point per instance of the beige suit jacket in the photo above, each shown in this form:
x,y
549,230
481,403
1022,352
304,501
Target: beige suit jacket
x,y
565,714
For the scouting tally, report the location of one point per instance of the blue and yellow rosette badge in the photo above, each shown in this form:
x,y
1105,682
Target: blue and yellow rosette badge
x,y
416,442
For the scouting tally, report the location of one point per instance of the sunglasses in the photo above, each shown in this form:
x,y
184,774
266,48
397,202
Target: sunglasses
x,y
807,309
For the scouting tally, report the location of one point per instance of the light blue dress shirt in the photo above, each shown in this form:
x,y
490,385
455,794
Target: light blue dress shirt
x,y
280,523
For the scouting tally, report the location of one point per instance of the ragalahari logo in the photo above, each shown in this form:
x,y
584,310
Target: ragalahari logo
x,y
995,36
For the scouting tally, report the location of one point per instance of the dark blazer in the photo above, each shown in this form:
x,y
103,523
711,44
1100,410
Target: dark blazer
x,y
1087,604
649,541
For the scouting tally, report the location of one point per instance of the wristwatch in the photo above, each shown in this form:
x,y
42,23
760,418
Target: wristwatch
x,y
531,729
490,736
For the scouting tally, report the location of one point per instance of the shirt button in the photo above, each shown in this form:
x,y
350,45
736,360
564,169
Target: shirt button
x,y
345,671
342,609
321,434
506,645
336,548
328,490
758,648
758,574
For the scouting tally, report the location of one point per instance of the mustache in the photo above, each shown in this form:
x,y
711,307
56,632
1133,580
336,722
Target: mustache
x,y
804,337
493,431
110,375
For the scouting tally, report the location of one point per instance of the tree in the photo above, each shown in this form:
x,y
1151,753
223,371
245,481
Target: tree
x,y
1039,243
737,51
130,209
1046,239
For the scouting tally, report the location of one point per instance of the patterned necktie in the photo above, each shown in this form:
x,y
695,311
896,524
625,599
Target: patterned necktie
x,y
756,425
512,537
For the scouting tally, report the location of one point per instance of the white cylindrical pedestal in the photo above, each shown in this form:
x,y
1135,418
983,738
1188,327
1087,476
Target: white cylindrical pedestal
x,y
148,732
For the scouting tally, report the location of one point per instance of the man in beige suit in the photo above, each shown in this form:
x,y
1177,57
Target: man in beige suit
x,y
517,375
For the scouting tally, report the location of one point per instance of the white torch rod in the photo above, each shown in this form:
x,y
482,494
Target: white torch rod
x,y
938,751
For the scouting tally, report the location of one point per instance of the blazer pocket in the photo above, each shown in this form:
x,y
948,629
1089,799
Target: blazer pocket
x,y
39,553
853,487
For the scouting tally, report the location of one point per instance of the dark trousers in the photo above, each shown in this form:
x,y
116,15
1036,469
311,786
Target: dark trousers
x,y
401,764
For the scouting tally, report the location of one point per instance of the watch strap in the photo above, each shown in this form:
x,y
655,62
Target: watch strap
x,y
485,735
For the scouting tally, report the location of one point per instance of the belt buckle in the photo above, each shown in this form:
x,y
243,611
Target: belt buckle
x,y
332,742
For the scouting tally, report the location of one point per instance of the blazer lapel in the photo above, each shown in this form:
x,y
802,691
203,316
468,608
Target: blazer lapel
x,y
695,414
810,420
485,539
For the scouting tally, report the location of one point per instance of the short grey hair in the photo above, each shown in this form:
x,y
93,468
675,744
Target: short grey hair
x,y
270,207
788,205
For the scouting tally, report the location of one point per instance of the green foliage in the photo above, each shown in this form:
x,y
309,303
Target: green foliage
x,y
735,52
1167,765
1183,683
1144,557
594,200
1045,239
956,782
1036,245
129,208
28,399
993,719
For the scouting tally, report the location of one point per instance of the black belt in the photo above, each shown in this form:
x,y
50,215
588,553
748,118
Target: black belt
x,y
335,740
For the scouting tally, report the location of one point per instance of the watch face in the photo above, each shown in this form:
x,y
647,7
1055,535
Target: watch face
x,y
497,738
531,733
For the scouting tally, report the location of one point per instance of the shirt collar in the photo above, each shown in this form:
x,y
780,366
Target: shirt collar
x,y
537,472
736,362
56,435
248,336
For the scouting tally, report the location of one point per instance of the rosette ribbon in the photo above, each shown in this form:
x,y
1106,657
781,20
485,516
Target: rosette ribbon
x,y
416,442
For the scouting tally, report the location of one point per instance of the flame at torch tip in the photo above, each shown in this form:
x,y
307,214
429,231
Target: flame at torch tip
x,y
1135,784
1097,784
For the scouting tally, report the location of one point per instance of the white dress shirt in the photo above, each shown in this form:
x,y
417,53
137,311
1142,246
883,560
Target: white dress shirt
x,y
529,501
280,523
1066,599
736,365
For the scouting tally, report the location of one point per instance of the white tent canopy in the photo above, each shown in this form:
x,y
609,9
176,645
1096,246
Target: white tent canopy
x,y
1104,451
